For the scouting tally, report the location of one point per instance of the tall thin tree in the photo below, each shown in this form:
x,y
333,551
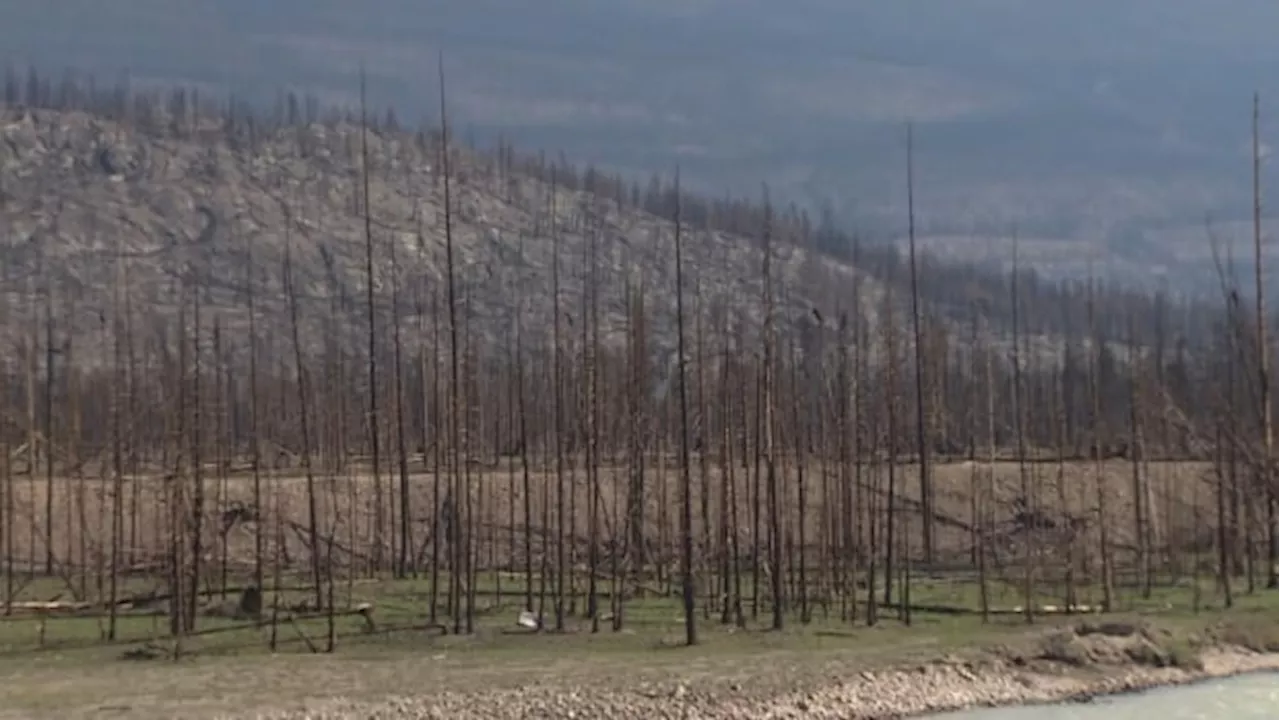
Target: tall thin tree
x,y
373,423
922,444
1029,526
766,373
304,419
456,564
1267,424
686,485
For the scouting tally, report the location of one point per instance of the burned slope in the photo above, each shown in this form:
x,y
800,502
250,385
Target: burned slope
x,y
88,203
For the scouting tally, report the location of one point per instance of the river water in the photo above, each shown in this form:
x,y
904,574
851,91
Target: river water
x,y
1246,697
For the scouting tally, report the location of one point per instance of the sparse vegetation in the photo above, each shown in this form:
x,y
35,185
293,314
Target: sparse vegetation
x,y
210,447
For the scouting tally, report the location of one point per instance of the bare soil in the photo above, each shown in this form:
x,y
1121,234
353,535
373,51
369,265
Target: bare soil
x,y
1180,510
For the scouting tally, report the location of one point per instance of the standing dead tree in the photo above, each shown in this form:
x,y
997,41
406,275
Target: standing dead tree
x,y
457,560
686,483
373,423
1265,386
922,442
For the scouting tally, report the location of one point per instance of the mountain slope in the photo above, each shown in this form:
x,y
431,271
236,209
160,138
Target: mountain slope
x,y
81,191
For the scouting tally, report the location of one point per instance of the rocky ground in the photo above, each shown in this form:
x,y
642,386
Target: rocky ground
x,y
1076,663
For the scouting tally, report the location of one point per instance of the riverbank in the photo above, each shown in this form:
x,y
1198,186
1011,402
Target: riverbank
x,y
1071,663
821,670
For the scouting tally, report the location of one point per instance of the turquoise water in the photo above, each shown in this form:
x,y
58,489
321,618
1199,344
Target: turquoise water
x,y
1246,697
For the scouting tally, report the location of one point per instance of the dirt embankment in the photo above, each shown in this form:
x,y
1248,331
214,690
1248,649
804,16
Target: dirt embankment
x,y
1087,660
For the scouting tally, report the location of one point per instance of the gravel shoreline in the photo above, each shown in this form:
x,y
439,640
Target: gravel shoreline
x,y
946,684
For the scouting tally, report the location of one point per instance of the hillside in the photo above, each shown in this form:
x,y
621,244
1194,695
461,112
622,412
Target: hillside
x,y
206,198
80,190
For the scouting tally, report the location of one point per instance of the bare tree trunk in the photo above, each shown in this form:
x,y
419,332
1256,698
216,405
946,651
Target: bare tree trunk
x,y
557,415
922,444
638,371
1067,543
848,447
1224,544
891,437
467,497
873,491
117,456
859,553
1267,412
197,455
544,569
6,503
255,444
1030,526
304,398
1095,391
135,453
591,381
176,496
6,462
1136,454
221,458
525,486
48,432
771,475
373,422
987,490
730,581
73,434
32,433
437,463
802,498
686,489
703,448
456,564
757,549
406,540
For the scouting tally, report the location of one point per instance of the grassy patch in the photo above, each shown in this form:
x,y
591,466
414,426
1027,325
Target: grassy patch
x,y
230,665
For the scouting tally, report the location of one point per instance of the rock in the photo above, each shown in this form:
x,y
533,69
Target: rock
x,y
1145,652
1065,647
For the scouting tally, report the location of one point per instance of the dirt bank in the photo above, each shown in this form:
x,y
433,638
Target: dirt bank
x,y
1075,663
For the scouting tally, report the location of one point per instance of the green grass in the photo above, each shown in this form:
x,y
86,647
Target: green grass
x,y
648,649
76,672
500,595
650,624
